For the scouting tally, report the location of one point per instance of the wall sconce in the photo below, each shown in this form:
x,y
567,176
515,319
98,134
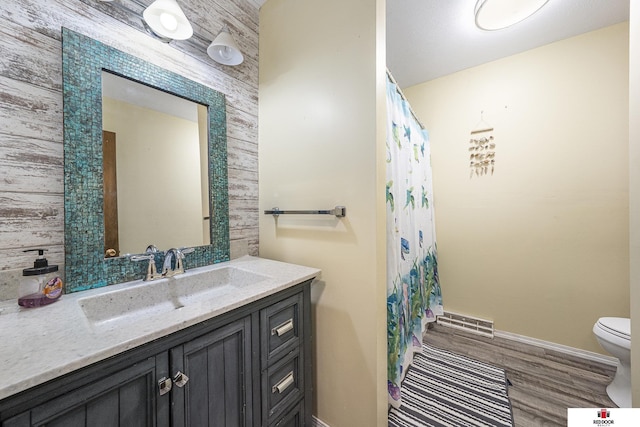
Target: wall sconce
x,y
499,14
165,19
223,49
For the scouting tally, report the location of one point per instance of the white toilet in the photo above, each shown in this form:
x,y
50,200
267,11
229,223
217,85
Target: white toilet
x,y
614,336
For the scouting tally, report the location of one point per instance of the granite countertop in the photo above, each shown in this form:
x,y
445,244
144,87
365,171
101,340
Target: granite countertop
x,y
40,344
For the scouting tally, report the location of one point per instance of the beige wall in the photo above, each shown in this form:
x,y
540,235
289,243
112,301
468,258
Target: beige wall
x,y
540,247
321,95
634,194
157,156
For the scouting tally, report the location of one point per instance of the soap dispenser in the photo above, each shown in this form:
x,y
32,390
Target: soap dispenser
x,y
40,285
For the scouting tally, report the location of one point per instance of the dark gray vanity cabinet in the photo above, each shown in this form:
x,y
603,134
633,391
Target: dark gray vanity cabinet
x,y
248,367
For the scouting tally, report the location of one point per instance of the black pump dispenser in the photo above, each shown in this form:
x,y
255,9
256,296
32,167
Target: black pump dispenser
x,y
40,265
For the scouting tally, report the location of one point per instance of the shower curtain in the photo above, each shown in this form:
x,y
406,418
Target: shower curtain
x,y
413,290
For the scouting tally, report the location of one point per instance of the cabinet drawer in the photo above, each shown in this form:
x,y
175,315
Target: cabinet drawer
x,y
281,328
282,385
293,418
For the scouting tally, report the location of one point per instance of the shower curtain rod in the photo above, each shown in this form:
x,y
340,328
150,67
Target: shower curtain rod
x,y
415,116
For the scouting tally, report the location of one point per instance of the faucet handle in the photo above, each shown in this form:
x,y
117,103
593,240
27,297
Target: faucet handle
x,y
186,250
152,272
137,258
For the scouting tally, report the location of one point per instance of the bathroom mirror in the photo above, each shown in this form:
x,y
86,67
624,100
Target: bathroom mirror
x,y
155,168
83,62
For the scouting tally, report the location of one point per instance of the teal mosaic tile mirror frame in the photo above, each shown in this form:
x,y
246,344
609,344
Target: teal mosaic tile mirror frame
x,y
83,60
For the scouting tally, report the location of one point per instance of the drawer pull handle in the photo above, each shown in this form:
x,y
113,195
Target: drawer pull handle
x,y
283,384
283,328
180,379
164,385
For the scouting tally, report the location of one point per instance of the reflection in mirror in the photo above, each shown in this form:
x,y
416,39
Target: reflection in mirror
x,y
155,168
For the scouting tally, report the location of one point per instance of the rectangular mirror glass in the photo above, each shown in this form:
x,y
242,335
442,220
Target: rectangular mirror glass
x,y
155,168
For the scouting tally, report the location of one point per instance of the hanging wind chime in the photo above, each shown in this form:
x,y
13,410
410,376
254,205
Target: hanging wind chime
x,y
482,154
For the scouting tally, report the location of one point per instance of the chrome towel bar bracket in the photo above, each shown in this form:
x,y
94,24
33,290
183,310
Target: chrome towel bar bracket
x,y
338,211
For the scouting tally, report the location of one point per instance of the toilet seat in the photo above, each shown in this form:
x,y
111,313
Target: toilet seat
x,y
618,326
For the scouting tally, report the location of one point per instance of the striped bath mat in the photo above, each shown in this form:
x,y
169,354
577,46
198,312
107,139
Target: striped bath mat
x,y
447,389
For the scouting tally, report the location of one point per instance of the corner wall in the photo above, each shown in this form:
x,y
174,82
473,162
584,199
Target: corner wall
x,y
321,94
541,246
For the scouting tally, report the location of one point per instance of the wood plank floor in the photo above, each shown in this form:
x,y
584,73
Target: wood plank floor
x,y
545,382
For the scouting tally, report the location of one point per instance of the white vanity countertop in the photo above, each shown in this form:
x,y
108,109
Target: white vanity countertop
x,y
43,343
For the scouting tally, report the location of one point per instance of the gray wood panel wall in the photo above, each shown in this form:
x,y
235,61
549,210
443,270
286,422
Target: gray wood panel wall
x,y
31,145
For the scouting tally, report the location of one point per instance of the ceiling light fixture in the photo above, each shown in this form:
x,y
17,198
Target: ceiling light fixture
x,y
498,14
224,49
166,20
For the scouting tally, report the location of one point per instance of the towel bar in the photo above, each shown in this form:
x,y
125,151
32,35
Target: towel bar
x,y
338,211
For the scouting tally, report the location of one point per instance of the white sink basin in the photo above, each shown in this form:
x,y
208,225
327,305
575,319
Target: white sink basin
x,y
157,298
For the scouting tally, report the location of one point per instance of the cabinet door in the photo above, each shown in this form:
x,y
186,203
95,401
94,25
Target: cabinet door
x,y
124,399
218,366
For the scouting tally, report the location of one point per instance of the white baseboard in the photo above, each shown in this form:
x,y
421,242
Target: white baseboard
x,y
316,422
577,352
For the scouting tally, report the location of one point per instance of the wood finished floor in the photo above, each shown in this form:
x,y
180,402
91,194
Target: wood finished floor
x,y
545,382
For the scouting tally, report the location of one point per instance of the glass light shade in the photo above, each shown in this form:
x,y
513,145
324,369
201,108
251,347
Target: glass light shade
x,y
499,14
223,49
166,19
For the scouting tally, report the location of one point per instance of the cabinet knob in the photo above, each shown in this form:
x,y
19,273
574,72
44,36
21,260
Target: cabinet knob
x,y
180,379
164,385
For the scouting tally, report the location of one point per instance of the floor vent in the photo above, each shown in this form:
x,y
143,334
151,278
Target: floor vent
x,y
466,323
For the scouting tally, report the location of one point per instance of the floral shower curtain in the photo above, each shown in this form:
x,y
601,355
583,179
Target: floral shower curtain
x,y
413,289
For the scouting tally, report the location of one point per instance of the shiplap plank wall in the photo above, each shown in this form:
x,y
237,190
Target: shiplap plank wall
x,y
31,145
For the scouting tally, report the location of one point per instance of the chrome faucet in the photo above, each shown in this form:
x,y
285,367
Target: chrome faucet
x,y
176,256
152,273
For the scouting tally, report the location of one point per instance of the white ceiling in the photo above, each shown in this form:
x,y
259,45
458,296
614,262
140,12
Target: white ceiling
x,y
427,39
